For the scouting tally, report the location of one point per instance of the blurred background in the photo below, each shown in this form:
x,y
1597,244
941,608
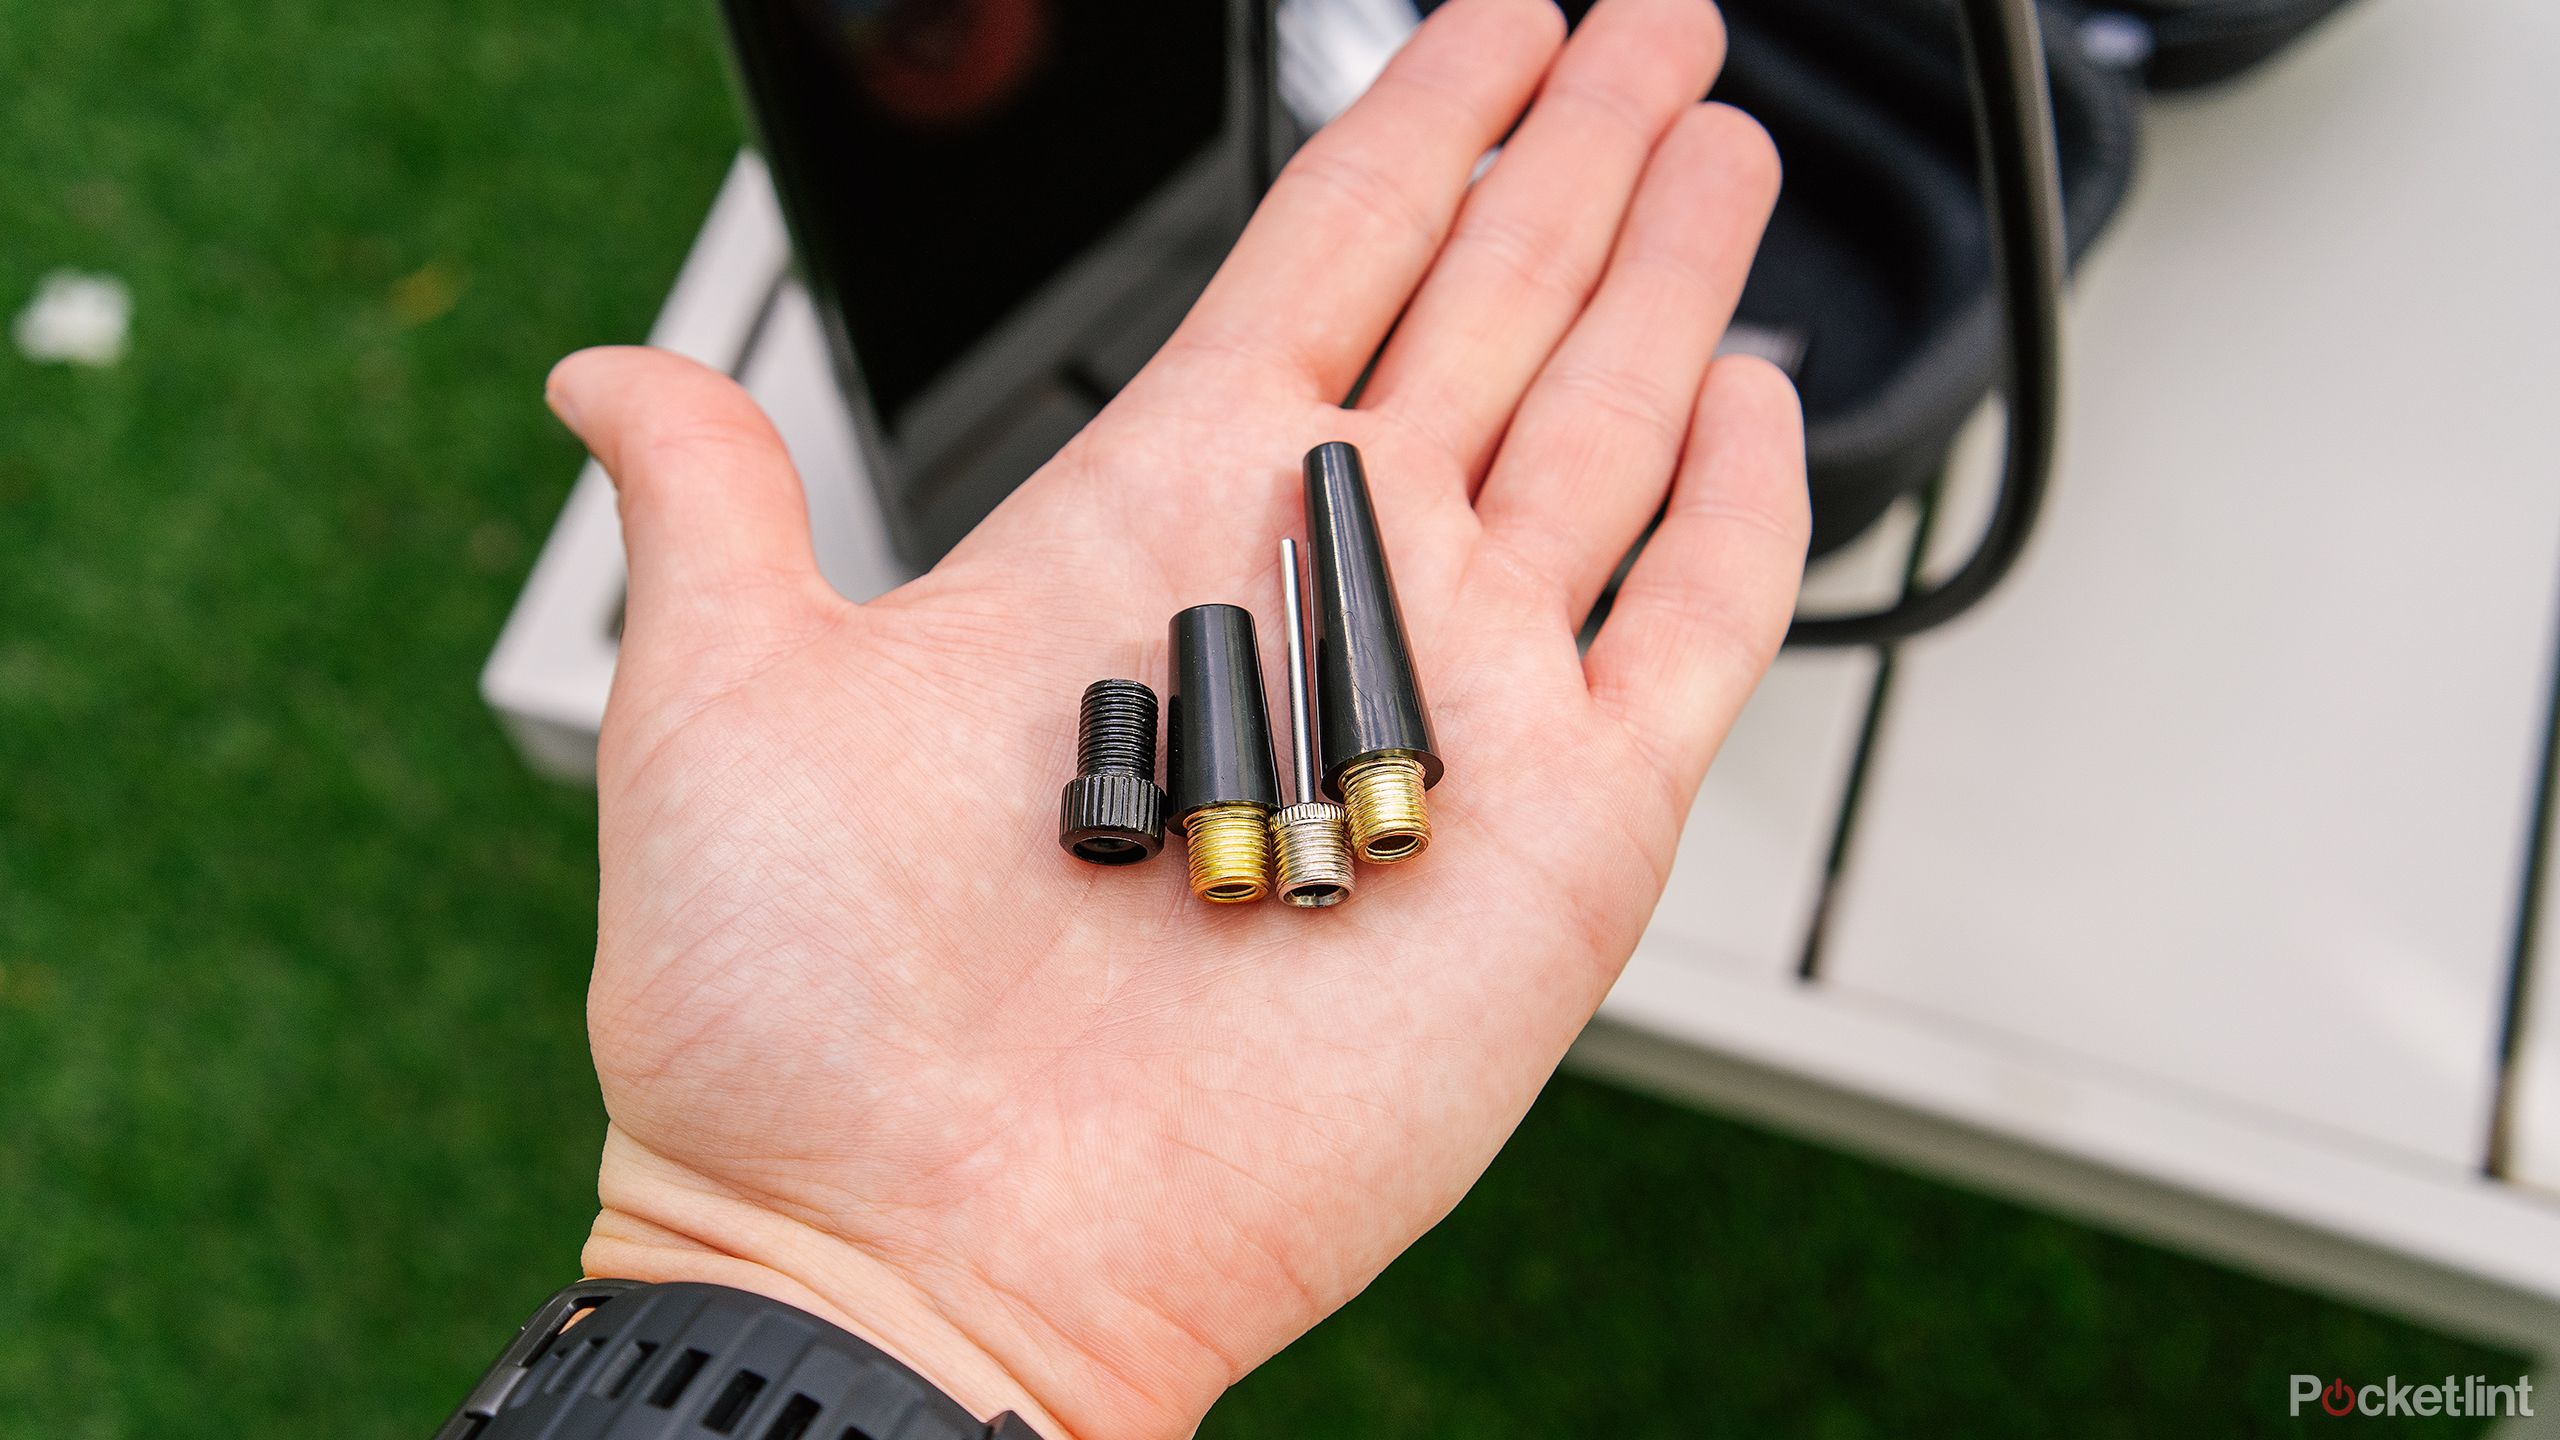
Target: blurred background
x,y
296,1119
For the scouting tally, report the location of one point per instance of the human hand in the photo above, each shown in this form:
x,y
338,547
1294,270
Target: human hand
x,y
1067,1140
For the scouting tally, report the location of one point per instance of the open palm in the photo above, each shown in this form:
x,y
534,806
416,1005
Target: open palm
x,y
1068,1140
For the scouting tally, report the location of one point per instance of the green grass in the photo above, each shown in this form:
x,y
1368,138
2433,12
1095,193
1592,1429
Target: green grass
x,y
295,1114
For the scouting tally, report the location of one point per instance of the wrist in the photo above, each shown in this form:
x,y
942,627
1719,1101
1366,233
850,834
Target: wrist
x,y
661,1224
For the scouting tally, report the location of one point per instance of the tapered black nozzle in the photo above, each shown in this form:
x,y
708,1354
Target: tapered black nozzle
x,y
1112,813
1368,700
1218,734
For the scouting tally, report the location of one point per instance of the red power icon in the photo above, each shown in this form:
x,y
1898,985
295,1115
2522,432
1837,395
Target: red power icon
x,y
2339,1398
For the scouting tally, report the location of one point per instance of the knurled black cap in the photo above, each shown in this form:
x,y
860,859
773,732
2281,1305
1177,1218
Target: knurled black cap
x,y
1112,813
1114,818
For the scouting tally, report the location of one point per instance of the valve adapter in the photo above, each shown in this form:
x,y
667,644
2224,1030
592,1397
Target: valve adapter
x,y
1218,758
1378,752
1112,813
1310,840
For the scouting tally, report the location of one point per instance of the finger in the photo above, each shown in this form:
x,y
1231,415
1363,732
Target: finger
x,y
1534,234
1586,461
1335,249
712,515
1708,601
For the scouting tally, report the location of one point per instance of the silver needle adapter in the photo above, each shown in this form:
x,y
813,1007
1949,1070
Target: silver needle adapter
x,y
1312,837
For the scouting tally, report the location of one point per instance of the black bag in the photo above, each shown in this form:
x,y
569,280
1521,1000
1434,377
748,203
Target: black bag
x,y
2199,42
1874,288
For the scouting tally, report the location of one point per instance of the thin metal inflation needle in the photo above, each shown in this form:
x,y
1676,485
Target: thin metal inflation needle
x,y
1312,836
1302,747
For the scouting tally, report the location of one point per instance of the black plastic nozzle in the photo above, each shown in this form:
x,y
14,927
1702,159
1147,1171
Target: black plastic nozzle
x,y
1368,700
1112,813
1218,735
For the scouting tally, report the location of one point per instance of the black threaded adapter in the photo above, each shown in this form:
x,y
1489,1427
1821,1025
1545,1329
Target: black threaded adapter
x,y
1218,745
1368,701
1112,813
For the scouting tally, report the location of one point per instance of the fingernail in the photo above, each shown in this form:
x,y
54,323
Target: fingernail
x,y
556,393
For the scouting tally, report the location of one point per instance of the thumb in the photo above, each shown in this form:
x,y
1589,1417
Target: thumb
x,y
712,516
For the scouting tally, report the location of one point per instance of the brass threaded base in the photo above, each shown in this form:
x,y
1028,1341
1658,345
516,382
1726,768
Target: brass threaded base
x,y
1313,845
1388,823
1230,852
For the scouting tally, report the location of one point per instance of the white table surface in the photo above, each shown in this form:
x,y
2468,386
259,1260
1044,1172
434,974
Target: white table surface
x,y
2227,786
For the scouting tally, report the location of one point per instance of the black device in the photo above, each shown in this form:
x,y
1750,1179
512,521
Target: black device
x,y
620,1360
1002,208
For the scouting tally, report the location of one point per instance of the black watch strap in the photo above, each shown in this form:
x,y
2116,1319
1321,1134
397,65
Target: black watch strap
x,y
619,1360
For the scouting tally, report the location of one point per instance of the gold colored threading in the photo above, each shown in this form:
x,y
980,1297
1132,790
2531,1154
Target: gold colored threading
x,y
1230,847
1388,822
